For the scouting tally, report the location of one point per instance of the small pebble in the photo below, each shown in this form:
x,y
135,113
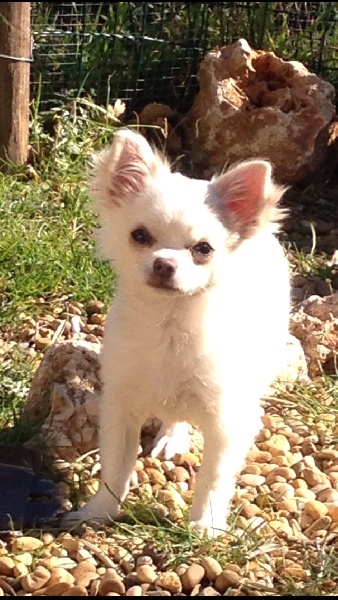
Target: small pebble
x,y
77,590
251,480
192,576
225,580
146,574
333,513
7,565
169,580
111,582
60,575
209,591
94,306
36,580
135,590
26,544
211,567
58,589
315,509
277,444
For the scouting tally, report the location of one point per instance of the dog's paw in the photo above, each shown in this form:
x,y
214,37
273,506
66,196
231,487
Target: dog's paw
x,y
171,440
204,529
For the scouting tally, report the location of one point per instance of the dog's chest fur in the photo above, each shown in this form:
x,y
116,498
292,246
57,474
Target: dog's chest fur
x,y
164,356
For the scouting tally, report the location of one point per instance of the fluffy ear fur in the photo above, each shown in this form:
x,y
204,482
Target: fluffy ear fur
x,y
247,198
123,169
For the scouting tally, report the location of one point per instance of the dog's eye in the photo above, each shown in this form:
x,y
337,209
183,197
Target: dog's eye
x,y
203,248
141,236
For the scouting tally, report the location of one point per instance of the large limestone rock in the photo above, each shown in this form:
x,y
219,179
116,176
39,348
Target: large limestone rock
x,y
315,323
65,395
256,104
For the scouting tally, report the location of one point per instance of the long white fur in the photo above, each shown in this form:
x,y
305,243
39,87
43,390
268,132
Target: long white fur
x,y
204,353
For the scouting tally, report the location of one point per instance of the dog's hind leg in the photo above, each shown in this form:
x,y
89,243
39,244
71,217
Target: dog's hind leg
x,y
226,444
171,439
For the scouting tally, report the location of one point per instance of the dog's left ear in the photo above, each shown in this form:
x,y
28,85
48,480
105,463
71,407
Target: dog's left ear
x,y
247,197
122,171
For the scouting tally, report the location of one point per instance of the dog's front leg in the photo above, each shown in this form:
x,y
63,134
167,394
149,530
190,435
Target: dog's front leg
x,y
226,445
119,440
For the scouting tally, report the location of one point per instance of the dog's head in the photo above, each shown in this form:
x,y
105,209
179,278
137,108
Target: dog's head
x,y
171,233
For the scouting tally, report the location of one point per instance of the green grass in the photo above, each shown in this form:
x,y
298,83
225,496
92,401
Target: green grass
x,y
16,374
47,252
46,243
315,405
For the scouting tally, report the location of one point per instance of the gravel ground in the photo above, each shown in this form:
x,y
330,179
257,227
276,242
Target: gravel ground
x,y
284,522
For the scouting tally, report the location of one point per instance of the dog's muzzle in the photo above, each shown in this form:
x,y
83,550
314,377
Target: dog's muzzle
x,y
163,273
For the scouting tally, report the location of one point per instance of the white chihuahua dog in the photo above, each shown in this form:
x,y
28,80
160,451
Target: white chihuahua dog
x,y
198,329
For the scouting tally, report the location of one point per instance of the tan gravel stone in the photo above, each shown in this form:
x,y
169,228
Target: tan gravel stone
x,y
155,476
304,493
251,480
135,590
188,457
333,513
277,444
312,477
211,566
77,590
280,526
328,495
181,474
252,469
282,490
60,575
225,580
250,510
169,580
26,544
192,576
289,505
111,582
58,589
7,565
146,574
259,456
315,509
36,580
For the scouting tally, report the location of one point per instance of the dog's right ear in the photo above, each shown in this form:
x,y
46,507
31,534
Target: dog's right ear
x,y
123,169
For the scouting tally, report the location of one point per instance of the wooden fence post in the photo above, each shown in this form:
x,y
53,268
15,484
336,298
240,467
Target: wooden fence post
x,y
15,52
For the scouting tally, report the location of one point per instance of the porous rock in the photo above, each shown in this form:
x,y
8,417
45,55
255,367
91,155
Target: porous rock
x,y
315,323
64,395
253,103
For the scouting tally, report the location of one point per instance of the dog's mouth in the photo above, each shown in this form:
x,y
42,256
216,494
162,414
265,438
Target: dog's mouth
x,y
164,286
171,289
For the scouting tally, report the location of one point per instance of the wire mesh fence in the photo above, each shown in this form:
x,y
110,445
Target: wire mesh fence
x,y
150,51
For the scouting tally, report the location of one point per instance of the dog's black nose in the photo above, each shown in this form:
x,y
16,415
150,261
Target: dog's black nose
x,y
164,268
